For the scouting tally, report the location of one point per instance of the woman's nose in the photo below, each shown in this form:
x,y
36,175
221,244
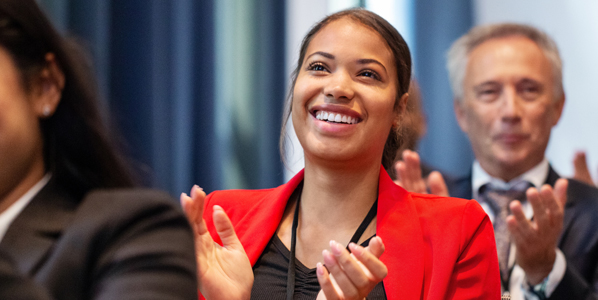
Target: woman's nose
x,y
339,86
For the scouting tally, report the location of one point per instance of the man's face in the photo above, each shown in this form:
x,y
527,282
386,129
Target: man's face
x,y
509,106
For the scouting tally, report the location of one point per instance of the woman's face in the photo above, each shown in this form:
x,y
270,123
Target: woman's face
x,y
20,136
344,96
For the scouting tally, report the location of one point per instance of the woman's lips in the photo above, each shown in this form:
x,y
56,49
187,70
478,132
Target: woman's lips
x,y
335,114
335,117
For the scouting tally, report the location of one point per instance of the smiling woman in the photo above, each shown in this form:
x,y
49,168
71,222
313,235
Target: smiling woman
x,y
348,94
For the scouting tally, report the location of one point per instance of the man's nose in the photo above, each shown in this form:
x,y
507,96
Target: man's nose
x,y
339,86
511,105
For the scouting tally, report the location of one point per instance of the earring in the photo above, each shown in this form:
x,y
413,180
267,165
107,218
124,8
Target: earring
x,y
46,110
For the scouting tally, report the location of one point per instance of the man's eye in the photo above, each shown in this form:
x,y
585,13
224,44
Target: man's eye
x,y
529,92
488,92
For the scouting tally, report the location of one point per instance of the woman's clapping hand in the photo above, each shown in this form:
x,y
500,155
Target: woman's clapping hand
x,y
351,275
224,272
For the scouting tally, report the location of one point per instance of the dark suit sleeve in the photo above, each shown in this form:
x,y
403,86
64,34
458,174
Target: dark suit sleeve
x,y
579,243
15,286
573,286
147,247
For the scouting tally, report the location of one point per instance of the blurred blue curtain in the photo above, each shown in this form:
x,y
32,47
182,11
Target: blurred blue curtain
x,y
157,66
438,24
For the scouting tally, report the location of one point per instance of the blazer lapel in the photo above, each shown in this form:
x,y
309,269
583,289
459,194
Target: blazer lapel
x,y
398,226
32,234
268,212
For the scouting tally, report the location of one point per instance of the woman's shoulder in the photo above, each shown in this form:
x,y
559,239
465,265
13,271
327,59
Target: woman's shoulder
x,y
447,208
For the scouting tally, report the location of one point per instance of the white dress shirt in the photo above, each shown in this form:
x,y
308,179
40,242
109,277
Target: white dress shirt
x,y
518,286
10,214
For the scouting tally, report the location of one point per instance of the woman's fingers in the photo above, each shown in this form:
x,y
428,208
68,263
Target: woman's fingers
x,y
346,288
193,206
225,230
353,275
329,288
369,258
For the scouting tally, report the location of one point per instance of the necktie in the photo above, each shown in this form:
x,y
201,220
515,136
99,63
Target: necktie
x,y
499,200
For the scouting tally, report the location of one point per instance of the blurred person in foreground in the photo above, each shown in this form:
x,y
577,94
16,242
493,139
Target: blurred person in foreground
x,y
71,225
507,86
341,229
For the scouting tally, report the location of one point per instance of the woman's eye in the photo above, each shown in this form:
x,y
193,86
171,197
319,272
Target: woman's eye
x,y
370,74
316,67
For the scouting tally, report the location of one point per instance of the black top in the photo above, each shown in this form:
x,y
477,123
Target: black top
x,y
270,272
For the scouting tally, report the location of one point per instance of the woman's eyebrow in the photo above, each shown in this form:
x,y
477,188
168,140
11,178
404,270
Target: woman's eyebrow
x,y
325,54
364,61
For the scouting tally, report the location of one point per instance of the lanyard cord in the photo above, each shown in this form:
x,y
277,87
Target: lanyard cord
x,y
356,236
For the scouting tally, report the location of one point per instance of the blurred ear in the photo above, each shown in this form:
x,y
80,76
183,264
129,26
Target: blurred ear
x,y
48,90
558,109
401,110
460,114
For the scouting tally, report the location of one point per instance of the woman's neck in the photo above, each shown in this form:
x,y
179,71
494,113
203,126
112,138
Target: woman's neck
x,y
334,201
338,195
12,192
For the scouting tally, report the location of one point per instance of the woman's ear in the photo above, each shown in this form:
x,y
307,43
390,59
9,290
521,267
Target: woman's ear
x,y
48,90
400,110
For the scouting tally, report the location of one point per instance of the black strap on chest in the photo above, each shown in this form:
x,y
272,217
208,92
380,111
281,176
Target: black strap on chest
x,y
292,265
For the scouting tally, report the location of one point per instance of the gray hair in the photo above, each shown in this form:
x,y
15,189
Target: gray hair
x,y
458,54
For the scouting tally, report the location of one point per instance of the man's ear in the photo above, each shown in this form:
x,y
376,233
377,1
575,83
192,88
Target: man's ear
x,y
48,89
558,109
460,114
401,110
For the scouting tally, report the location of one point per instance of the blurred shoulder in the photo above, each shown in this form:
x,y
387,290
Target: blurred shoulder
x,y
119,205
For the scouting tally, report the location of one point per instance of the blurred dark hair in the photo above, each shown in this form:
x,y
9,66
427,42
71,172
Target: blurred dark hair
x,y
402,58
77,147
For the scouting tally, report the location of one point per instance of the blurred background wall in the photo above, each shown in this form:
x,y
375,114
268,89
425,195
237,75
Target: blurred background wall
x,y
197,87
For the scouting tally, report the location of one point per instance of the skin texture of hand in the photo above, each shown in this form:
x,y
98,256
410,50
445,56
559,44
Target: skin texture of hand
x,y
350,275
536,240
409,176
581,171
224,272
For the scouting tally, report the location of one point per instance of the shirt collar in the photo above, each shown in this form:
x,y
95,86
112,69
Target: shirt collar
x,y
11,213
536,176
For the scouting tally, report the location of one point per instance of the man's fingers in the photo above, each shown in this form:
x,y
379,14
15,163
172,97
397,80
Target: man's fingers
x,y
581,171
411,159
400,169
517,222
540,201
225,229
560,191
437,184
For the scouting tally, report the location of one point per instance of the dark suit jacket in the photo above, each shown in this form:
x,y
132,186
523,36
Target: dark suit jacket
x,y
112,244
434,248
578,241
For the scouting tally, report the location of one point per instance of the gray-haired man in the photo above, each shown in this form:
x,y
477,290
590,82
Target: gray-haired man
x,y
507,85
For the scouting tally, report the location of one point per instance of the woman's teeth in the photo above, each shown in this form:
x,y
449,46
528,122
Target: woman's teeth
x,y
337,118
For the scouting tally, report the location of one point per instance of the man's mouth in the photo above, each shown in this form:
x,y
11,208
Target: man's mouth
x,y
332,117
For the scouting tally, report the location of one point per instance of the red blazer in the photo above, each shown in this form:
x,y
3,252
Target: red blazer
x,y
436,247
